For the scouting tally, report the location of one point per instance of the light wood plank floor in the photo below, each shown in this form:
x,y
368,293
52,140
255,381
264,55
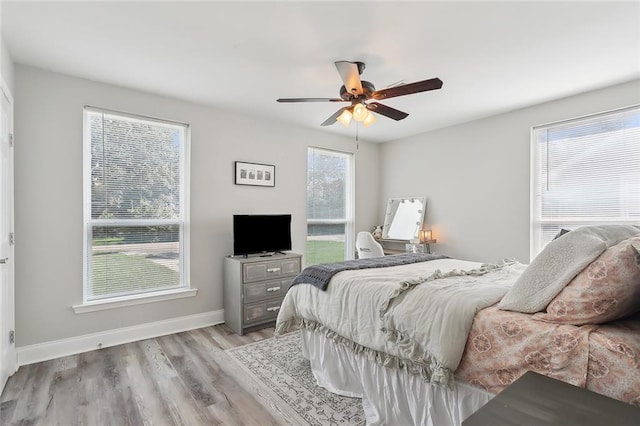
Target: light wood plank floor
x,y
177,379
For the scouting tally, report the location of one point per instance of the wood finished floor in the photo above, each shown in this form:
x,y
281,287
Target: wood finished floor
x,y
177,379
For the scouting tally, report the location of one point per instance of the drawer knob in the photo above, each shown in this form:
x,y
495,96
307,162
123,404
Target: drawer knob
x,y
273,309
273,269
273,289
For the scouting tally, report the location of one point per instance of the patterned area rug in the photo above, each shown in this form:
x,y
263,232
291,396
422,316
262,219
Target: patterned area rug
x,y
276,371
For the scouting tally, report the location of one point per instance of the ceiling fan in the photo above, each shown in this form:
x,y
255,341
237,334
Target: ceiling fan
x,y
358,92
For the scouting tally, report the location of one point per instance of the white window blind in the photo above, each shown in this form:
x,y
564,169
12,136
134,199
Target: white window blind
x,y
329,206
135,206
586,171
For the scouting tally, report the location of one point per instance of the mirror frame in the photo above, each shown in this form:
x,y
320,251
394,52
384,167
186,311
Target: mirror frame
x,y
389,213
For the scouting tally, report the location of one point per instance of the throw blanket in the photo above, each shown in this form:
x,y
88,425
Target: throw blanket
x,y
414,317
320,275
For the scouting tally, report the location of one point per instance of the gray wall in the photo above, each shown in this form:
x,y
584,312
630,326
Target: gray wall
x,y
476,175
48,192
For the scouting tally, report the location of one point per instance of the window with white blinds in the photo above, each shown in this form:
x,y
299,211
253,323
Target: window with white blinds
x,y
135,205
330,208
586,171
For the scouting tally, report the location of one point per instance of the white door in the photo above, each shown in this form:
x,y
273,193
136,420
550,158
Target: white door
x,y
7,316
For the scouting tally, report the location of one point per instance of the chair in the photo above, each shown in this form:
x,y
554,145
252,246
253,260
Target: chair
x,y
367,246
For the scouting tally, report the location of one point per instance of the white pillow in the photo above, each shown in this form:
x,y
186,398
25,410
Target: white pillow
x,y
560,261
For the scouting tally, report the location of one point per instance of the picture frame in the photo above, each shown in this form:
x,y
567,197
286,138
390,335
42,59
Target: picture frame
x,y
255,174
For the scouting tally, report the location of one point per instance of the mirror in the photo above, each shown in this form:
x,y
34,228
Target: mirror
x,y
403,218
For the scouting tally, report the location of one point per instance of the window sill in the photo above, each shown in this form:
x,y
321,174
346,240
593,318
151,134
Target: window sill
x,y
138,299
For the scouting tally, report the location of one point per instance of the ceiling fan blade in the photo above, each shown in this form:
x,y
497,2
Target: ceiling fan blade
x,y
350,76
408,89
393,113
329,121
310,100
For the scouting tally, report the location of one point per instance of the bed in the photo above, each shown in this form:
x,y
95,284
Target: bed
x,y
430,341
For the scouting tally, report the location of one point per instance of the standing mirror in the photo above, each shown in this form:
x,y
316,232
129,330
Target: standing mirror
x,y
403,218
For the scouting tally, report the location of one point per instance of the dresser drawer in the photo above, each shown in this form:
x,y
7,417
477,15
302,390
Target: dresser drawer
x,y
259,271
266,290
290,266
261,311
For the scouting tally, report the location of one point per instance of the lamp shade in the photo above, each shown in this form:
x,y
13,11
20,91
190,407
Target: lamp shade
x,y
369,120
425,235
360,112
345,118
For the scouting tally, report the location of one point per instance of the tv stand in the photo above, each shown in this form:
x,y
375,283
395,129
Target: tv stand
x,y
254,288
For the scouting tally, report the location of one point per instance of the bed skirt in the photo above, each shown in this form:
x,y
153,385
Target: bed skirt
x,y
389,396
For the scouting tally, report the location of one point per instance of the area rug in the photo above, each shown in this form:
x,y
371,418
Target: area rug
x,y
276,372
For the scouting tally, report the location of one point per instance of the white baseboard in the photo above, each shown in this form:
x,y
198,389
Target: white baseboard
x,y
89,342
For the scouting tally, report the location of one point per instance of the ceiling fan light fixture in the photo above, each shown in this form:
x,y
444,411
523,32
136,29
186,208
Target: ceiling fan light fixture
x,y
360,112
345,118
369,120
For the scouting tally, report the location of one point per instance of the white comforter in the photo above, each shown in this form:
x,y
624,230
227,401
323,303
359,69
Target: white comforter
x,y
415,317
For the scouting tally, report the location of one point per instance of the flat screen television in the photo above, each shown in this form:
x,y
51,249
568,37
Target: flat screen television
x,y
260,233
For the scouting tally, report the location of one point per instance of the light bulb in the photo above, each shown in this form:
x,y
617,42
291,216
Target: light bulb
x,y
369,120
345,118
359,112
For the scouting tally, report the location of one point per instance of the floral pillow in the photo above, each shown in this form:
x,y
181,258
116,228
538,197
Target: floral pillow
x,y
559,262
606,290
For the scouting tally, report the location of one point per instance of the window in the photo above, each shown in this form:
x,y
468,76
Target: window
x,y
135,206
329,206
586,171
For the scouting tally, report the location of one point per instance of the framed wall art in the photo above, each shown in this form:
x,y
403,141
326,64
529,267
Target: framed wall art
x,y
255,174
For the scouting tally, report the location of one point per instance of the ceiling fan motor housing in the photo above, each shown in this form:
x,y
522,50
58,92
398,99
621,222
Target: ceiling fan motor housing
x,y
367,88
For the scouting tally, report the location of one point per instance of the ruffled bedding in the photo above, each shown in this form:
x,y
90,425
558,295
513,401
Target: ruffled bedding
x,y
443,326
415,317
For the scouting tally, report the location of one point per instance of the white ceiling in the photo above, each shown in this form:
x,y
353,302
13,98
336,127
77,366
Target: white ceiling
x,y
241,56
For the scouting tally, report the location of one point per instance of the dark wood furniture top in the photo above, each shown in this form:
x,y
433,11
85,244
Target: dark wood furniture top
x,y
535,399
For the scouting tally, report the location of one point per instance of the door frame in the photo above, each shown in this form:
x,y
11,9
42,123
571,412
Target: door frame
x,y
8,359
